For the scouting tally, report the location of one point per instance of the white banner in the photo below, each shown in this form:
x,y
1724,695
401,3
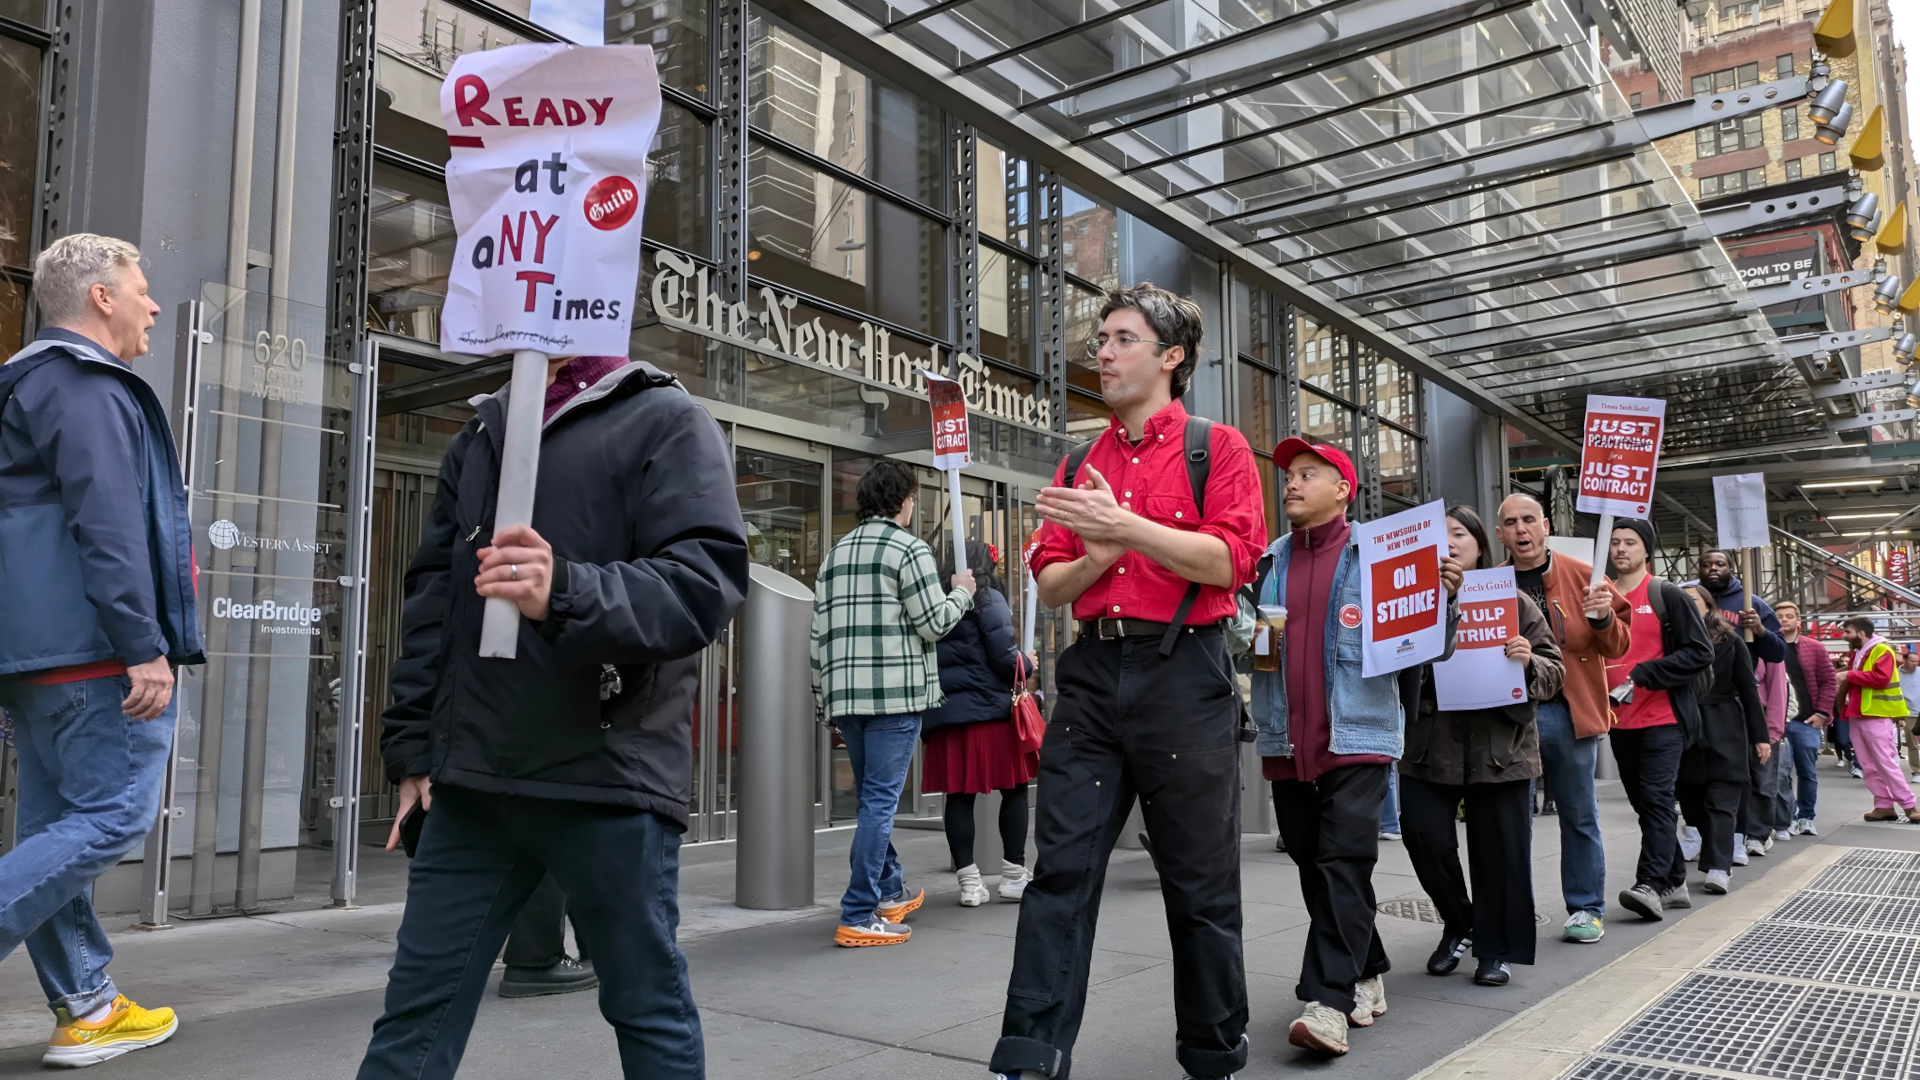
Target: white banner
x,y
1404,608
547,182
1740,510
1479,675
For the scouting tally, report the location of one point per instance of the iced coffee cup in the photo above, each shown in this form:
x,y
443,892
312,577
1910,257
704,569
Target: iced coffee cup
x,y
1267,636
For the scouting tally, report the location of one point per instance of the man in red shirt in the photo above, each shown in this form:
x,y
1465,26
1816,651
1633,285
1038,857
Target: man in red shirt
x,y
1146,703
1653,706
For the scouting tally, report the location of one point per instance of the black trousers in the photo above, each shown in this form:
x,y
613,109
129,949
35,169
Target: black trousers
x,y
1499,916
1332,829
1013,826
1712,806
1127,722
1649,760
539,938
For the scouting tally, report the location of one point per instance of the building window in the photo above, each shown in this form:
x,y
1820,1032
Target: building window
x,y
1789,123
1741,133
1732,183
1793,169
1826,162
1783,65
1726,79
1709,186
1633,100
1702,85
21,123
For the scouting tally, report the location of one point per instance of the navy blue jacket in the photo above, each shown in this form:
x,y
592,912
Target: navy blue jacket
x,y
976,665
96,547
1767,645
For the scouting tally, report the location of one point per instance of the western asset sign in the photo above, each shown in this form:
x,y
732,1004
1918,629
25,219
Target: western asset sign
x,y
684,298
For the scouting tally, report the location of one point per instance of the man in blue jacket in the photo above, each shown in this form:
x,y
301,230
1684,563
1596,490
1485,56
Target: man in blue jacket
x,y
98,581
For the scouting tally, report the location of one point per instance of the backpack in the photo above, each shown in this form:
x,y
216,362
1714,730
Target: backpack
x,y
1197,444
1657,600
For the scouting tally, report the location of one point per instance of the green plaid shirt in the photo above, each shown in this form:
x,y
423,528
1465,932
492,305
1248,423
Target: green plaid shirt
x,y
877,612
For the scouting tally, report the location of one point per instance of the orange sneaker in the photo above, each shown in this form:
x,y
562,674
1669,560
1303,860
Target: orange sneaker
x,y
877,932
126,1027
898,908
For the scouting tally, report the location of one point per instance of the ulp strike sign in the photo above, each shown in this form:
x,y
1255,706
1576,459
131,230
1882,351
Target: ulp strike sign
x,y
547,181
1619,454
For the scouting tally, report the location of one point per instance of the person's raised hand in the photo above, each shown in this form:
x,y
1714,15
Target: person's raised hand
x,y
150,690
413,790
1091,512
517,566
1450,574
1598,601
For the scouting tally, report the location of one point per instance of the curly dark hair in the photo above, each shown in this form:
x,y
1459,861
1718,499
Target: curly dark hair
x,y
1175,320
883,490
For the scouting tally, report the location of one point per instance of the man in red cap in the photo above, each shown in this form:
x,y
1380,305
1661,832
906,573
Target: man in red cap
x,y
1149,530
1327,737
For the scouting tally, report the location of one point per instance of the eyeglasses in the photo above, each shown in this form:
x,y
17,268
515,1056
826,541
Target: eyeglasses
x,y
1122,343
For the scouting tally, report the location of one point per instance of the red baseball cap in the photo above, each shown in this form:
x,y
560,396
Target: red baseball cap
x,y
1289,449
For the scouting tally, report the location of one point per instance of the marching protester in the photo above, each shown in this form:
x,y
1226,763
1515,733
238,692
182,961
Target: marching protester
x,y
1910,689
1327,737
878,612
98,565
1149,530
1591,623
1656,713
1871,703
574,758
1729,596
972,747
1487,760
1733,728
1810,682
1765,815
1728,600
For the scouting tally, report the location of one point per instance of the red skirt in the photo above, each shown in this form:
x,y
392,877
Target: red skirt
x,y
976,758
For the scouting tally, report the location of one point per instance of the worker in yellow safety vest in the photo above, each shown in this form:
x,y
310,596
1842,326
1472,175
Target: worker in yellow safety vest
x,y
1871,703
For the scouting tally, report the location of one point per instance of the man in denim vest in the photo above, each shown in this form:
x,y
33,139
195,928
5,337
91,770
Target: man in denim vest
x,y
1328,736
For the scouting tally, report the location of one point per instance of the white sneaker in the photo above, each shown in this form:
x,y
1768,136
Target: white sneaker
x,y
1739,850
1014,879
1690,842
1319,1028
1782,834
1717,882
1369,1000
1806,827
1767,843
972,892
1756,846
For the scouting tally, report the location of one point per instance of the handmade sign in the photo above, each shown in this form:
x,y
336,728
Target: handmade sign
x,y
1404,604
1479,675
1740,505
948,403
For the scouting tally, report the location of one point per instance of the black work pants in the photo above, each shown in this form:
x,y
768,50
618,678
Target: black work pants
x,y
1127,722
539,938
1711,806
1332,829
1499,915
1649,760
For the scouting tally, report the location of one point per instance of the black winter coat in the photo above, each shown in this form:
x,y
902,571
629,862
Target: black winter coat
x,y
1483,746
976,665
636,495
1732,719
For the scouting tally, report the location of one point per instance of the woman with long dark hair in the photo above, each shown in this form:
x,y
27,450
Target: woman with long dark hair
x,y
1486,758
971,743
1714,773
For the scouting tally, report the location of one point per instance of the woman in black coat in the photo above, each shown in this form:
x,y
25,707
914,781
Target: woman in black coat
x,y
972,747
1714,773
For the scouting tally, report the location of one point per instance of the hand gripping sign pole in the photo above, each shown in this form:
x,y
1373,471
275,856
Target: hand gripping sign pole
x,y
1618,458
546,181
950,451
1740,507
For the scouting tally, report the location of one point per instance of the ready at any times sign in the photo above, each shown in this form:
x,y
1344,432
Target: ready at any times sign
x,y
547,182
1619,455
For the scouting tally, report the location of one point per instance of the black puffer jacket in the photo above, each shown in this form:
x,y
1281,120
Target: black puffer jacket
x,y
976,665
636,495
1732,720
1482,746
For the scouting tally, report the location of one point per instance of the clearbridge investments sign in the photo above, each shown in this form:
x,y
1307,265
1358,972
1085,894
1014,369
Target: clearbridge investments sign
x,y
684,297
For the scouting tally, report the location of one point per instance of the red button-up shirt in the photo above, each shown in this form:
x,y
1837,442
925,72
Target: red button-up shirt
x,y
1149,477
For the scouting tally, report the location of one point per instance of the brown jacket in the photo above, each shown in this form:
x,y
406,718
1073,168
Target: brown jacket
x,y
1584,648
1483,746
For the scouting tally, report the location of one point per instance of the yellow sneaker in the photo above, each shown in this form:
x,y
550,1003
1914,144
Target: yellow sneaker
x,y
128,1027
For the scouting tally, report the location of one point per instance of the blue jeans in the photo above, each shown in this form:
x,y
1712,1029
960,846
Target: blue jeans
x,y
1804,740
880,749
1390,809
1568,763
89,793
481,856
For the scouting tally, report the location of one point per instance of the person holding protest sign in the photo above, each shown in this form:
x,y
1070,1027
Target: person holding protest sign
x,y
1656,713
1591,624
1488,758
1733,728
1149,530
575,758
1327,736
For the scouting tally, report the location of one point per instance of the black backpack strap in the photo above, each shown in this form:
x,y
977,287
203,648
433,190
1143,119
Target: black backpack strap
x,y
1198,451
1076,457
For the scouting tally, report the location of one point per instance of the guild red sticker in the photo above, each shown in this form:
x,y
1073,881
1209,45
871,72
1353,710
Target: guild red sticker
x,y
1518,693
1350,616
611,202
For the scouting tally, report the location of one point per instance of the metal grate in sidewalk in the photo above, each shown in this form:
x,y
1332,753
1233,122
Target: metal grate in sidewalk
x,y
1825,987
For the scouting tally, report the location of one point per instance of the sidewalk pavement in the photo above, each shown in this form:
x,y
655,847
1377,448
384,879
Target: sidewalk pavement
x,y
293,995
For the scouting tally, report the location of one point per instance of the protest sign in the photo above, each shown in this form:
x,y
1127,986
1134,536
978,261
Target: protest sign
x,y
1619,455
547,183
949,406
1740,507
1404,604
1479,674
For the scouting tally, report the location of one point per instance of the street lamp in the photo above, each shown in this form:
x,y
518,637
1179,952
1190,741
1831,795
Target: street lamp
x,y
1913,391
1903,349
1862,212
1887,295
1828,132
1829,101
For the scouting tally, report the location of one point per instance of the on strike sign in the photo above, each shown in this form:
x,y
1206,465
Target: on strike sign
x,y
1400,591
949,403
1619,455
1479,674
547,182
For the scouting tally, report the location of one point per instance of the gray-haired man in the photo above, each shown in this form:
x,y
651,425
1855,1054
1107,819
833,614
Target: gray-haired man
x,y
93,520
